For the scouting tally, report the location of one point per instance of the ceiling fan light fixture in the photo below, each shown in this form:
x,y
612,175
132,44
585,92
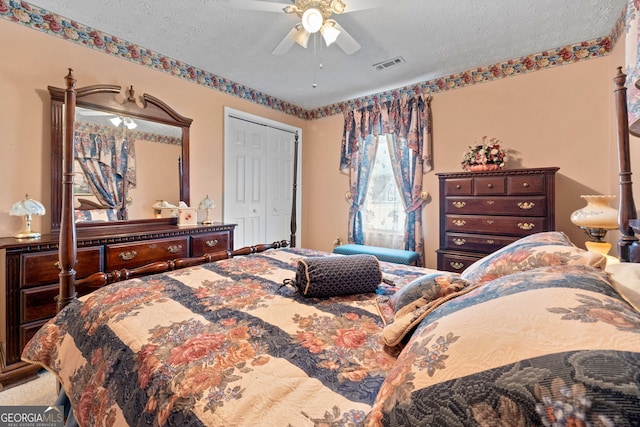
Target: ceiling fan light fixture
x,y
312,20
116,121
301,36
337,6
329,33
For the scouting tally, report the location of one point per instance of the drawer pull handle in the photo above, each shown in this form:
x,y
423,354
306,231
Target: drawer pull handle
x,y
459,205
525,185
127,256
490,221
526,226
456,265
458,186
490,202
459,222
211,243
526,205
490,185
490,241
459,242
174,249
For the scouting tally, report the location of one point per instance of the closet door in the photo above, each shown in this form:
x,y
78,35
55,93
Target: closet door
x,y
245,181
258,178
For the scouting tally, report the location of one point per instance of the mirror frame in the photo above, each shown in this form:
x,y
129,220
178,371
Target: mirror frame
x,y
105,98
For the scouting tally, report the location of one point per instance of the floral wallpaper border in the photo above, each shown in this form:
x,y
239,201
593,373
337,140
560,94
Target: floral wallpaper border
x,y
50,23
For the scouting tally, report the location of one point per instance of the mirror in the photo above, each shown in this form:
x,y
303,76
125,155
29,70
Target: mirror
x,y
147,142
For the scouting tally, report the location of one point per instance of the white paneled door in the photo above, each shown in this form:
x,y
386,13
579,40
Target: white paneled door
x,y
258,178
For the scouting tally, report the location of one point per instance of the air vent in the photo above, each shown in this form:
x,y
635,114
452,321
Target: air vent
x,y
389,63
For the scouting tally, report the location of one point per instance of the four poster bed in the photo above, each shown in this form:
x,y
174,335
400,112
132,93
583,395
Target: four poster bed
x,y
538,333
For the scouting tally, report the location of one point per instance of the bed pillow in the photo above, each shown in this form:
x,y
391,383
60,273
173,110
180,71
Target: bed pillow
x,y
416,300
533,251
95,215
626,279
516,349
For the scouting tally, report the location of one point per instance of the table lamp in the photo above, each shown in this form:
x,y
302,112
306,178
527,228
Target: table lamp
x,y
207,205
595,220
27,207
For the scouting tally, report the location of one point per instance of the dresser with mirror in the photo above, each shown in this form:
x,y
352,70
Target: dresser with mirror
x,y
121,231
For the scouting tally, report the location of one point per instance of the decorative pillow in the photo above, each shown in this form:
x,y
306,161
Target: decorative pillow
x,y
413,302
426,288
95,215
338,275
536,250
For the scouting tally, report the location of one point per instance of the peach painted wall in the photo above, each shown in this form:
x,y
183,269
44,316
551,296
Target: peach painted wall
x,y
31,61
558,117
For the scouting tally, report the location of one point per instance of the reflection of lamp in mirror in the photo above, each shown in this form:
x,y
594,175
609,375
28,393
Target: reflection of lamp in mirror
x,y
128,122
595,220
27,207
207,205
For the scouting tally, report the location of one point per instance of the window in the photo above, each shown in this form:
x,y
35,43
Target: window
x,y
384,214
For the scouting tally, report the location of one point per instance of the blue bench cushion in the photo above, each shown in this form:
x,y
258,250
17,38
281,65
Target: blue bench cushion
x,y
397,256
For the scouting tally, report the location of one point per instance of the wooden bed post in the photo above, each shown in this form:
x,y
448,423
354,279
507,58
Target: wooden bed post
x,y
294,227
627,209
67,243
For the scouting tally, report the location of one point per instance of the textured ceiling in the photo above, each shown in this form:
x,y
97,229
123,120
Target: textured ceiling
x,y
435,38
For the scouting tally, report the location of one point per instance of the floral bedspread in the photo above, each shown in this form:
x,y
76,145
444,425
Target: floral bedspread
x,y
220,344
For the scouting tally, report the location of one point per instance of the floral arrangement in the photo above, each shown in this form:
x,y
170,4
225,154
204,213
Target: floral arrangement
x,y
485,156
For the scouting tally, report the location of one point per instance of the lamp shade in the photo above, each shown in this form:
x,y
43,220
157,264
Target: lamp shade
x,y
27,206
207,205
597,214
329,33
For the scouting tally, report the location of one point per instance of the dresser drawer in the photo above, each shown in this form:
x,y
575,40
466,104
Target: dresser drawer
x,y
529,206
512,226
526,184
458,186
477,242
41,268
489,185
454,262
210,242
130,255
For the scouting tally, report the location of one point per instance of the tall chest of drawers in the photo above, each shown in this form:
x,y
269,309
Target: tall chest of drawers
x,y
29,275
481,212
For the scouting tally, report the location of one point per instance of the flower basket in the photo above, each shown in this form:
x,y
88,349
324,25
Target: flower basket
x,y
486,156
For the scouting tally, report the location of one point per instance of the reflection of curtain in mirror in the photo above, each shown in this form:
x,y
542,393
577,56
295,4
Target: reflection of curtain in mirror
x,y
106,160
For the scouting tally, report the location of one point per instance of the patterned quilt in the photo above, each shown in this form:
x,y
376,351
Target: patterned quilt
x,y
533,335
220,344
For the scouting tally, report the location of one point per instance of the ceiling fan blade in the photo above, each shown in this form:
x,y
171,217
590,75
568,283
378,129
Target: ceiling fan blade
x,y
345,41
356,5
262,6
286,43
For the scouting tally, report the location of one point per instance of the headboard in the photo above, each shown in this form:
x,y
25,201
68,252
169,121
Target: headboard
x,y
628,244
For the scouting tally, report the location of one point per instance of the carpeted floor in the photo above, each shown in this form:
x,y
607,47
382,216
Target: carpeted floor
x,y
40,391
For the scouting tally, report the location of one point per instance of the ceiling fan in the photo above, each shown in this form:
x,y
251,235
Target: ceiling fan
x,y
315,16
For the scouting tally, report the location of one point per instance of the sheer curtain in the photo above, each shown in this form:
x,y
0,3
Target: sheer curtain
x,y
407,124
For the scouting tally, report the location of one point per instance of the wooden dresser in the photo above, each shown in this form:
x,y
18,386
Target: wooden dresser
x,y
481,212
29,274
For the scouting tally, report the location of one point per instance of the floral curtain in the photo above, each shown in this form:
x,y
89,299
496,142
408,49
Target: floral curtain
x,y
632,59
359,143
407,123
108,162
